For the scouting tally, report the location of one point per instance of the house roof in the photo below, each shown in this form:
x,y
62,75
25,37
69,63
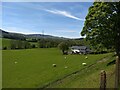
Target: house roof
x,y
78,47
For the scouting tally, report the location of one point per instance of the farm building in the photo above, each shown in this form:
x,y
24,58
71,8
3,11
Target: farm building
x,y
80,49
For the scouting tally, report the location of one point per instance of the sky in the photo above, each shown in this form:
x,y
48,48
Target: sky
x,y
63,19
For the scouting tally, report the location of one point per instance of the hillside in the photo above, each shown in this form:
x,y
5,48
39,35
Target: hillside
x,y
20,36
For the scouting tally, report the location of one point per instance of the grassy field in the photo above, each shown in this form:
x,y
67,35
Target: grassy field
x,y
5,42
34,66
89,77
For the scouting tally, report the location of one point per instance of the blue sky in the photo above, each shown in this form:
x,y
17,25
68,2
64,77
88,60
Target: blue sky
x,y
63,19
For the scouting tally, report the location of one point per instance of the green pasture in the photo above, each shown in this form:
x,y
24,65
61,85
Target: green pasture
x,y
89,77
5,42
32,68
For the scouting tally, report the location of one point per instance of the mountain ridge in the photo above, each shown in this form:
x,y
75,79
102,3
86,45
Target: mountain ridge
x,y
6,34
13,35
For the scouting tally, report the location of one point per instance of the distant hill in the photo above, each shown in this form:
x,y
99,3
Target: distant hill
x,y
43,36
9,35
20,36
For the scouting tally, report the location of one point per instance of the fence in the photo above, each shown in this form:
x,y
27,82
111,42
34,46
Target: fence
x,y
103,80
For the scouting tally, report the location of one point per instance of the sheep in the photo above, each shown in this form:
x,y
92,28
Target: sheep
x,y
84,64
54,65
86,57
66,67
15,62
65,57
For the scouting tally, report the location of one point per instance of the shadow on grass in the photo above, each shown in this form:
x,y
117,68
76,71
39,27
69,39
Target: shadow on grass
x,y
111,63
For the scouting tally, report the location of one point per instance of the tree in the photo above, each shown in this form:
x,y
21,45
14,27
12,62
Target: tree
x,y
102,26
13,44
41,44
33,46
64,47
4,48
27,45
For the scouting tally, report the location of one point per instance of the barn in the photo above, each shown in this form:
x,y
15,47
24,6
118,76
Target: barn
x,y
80,49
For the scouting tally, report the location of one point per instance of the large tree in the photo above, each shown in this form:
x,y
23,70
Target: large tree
x,y
102,27
64,47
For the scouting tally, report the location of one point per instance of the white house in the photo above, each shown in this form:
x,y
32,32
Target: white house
x,y
80,49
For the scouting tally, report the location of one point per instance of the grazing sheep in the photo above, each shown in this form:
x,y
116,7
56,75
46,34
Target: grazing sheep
x,y
66,67
65,57
54,65
86,57
15,62
84,64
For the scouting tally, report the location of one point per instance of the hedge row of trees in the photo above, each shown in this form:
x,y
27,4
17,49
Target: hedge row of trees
x,y
63,44
49,43
41,43
20,45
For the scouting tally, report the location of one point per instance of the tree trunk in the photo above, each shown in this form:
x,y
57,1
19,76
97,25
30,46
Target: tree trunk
x,y
63,52
117,74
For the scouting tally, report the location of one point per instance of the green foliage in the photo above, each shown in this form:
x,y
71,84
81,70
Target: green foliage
x,y
48,43
42,43
16,44
64,47
33,46
4,48
101,26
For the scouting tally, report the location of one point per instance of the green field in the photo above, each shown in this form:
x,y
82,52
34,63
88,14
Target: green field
x,y
89,77
34,66
5,42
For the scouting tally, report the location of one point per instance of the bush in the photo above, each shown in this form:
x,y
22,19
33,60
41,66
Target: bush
x,y
33,46
5,48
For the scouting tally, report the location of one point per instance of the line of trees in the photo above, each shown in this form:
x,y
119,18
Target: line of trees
x,y
52,43
20,44
47,43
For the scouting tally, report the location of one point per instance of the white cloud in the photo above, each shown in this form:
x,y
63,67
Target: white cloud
x,y
64,13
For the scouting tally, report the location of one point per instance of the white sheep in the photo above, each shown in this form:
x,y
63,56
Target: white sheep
x,y
65,57
15,62
66,67
86,57
84,64
54,65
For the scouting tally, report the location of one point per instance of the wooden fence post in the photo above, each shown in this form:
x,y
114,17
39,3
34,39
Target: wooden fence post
x,y
117,72
103,80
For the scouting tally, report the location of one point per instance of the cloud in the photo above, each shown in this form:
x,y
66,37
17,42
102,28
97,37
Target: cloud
x,y
64,13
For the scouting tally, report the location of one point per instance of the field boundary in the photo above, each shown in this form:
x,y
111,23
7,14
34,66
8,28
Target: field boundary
x,y
77,71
